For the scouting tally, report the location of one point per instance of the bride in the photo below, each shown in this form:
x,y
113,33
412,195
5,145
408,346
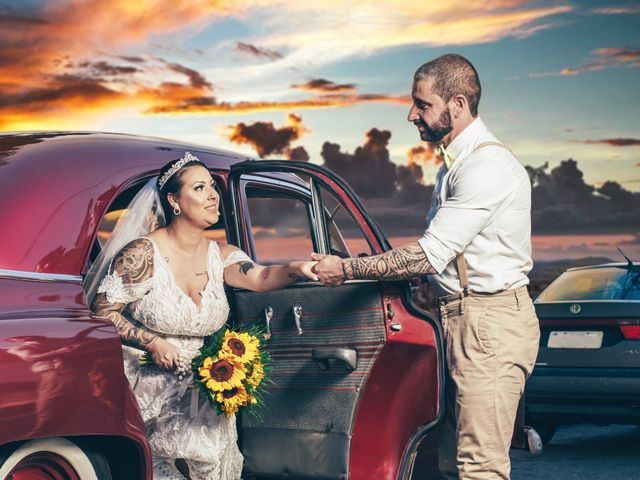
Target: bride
x,y
163,290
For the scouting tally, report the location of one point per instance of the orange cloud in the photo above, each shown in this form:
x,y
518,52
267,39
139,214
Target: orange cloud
x,y
51,66
604,58
324,101
422,154
47,51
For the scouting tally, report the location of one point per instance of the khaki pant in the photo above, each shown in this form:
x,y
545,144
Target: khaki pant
x,y
491,347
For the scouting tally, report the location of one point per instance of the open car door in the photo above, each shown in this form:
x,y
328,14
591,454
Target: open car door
x,y
357,369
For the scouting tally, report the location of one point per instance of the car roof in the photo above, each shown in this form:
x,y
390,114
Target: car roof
x,y
604,265
55,187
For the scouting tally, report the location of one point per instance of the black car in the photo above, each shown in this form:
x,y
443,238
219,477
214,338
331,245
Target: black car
x,y
588,367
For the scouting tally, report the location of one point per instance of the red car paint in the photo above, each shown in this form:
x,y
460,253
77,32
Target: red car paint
x,y
61,370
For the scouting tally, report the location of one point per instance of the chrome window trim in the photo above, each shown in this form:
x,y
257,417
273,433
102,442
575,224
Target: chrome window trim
x,y
40,277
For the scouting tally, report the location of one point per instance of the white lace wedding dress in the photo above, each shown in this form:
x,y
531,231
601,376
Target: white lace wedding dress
x,y
179,423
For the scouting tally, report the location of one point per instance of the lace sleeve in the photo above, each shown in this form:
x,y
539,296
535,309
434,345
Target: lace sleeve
x,y
236,256
119,292
130,273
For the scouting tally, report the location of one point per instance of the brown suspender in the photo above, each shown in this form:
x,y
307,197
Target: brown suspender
x,y
461,263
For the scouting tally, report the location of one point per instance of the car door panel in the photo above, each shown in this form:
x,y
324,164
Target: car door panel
x,y
310,405
359,389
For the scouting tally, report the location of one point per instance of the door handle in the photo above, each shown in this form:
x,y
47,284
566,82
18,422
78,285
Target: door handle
x,y
267,313
324,356
297,316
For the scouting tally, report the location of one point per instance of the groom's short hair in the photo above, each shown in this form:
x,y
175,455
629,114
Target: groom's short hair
x,y
451,75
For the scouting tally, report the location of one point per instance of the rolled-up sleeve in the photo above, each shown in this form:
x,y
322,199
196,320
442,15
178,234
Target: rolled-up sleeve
x,y
477,189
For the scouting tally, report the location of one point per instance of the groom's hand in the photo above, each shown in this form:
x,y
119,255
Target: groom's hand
x,y
328,269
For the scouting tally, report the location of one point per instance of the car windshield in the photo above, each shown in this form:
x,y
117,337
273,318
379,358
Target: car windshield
x,y
607,283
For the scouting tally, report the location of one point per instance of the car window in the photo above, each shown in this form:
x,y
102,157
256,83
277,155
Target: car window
x,y
119,206
346,238
280,225
607,283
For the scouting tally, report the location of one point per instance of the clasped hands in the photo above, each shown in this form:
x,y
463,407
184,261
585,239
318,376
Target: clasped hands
x,y
328,269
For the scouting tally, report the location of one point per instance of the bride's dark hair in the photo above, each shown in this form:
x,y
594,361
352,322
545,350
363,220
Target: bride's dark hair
x,y
173,184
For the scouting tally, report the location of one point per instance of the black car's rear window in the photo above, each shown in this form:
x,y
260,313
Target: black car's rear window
x,y
606,283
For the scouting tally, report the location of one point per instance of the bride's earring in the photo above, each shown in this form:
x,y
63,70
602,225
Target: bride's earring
x,y
176,210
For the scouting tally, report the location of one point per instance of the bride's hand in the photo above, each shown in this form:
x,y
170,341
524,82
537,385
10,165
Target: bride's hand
x,y
303,269
165,354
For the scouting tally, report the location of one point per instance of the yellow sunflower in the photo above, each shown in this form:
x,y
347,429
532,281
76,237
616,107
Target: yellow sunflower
x,y
231,400
223,372
243,345
256,375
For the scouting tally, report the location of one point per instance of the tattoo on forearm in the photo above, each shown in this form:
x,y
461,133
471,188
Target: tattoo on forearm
x,y
408,261
266,272
245,267
134,264
129,334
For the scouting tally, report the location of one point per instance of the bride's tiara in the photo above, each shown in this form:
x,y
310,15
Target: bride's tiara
x,y
186,158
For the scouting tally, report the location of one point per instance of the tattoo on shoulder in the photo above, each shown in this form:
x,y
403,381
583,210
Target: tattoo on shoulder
x,y
245,267
134,263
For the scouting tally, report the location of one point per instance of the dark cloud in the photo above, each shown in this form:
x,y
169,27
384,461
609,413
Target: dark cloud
x,y
104,68
131,59
564,203
257,51
614,142
322,85
62,91
265,137
196,79
298,153
369,169
373,175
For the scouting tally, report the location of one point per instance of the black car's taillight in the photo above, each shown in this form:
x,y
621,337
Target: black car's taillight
x,y
630,332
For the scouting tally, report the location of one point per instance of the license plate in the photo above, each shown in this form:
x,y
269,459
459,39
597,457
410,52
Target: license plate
x,y
575,340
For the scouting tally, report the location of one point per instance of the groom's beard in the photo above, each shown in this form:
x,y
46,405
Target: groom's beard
x,y
438,130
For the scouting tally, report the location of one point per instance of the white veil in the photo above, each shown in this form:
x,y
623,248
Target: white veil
x,y
143,215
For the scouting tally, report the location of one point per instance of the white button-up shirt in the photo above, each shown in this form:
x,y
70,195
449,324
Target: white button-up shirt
x,y
481,207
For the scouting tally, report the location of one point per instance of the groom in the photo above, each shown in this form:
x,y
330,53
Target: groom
x,y
477,252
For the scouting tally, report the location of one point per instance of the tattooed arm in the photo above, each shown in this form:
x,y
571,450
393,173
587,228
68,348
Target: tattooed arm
x,y
408,261
134,264
260,278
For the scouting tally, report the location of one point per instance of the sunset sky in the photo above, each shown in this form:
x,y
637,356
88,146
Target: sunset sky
x,y
560,78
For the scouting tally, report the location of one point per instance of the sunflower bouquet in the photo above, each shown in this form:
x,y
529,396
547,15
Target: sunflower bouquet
x,y
229,370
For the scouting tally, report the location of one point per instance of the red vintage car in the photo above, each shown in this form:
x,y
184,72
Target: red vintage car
x,y
357,375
